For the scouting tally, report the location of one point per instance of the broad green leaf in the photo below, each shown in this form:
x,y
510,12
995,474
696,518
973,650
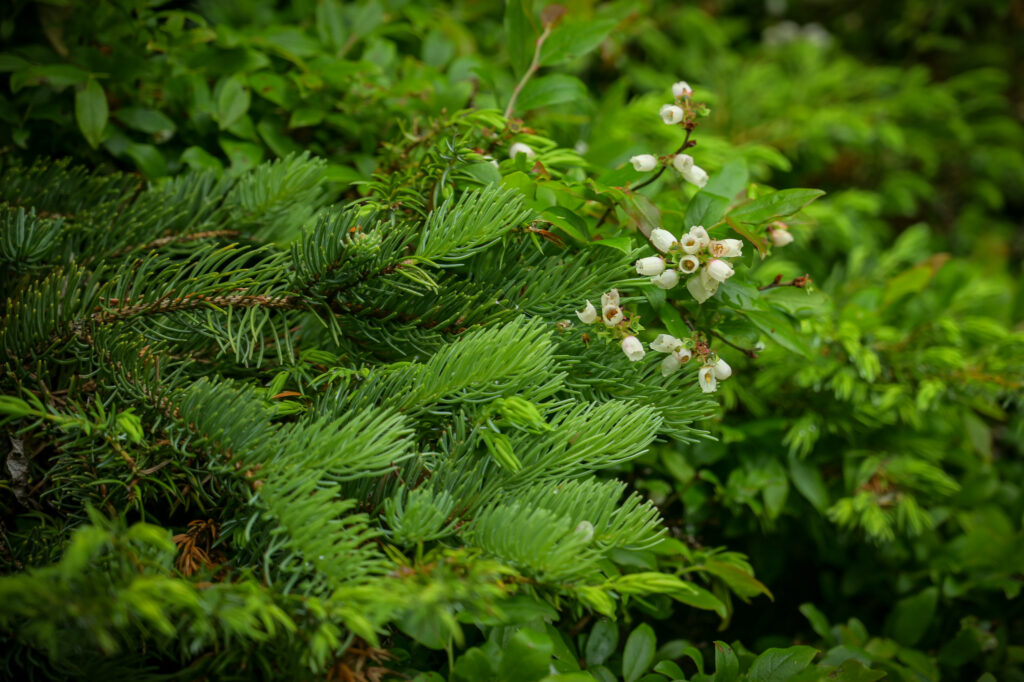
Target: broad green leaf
x,y
623,244
751,235
232,102
730,180
330,24
567,221
819,623
149,159
304,117
58,76
727,666
909,281
570,41
272,132
853,670
779,329
780,665
775,205
809,483
705,209
602,642
271,86
911,616
473,665
738,580
638,653
243,155
670,670
545,91
519,35
146,120
91,112
526,657
10,62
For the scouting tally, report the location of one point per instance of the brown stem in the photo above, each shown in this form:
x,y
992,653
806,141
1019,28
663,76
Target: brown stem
x,y
798,282
163,241
532,69
685,145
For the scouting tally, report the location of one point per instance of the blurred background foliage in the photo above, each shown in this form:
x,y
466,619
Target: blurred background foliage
x,y
871,468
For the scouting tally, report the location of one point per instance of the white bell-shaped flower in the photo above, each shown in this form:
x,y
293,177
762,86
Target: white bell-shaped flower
x,y
671,114
689,264
610,297
662,239
693,174
780,236
611,315
681,89
644,162
700,288
707,380
726,248
518,148
588,315
666,280
701,235
719,270
683,355
690,243
633,349
669,364
666,343
650,266
721,369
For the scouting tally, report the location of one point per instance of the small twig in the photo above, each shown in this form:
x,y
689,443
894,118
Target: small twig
x,y
798,282
532,69
749,352
683,147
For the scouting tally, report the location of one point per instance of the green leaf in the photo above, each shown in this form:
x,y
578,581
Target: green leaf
x,y
853,670
526,657
808,481
670,670
623,244
198,158
473,665
602,642
91,112
330,24
705,209
727,666
519,35
10,62
545,91
148,121
567,221
571,41
738,580
304,117
775,205
232,102
148,158
779,329
910,618
243,155
638,653
779,665
819,623
697,597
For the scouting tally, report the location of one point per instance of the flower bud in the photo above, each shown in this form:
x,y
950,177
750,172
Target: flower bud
x,y
652,265
671,114
681,89
780,236
701,234
701,289
682,162
719,270
666,280
610,298
666,343
707,380
644,162
726,248
669,365
611,315
689,264
520,148
695,176
588,315
663,240
633,349
586,529
721,369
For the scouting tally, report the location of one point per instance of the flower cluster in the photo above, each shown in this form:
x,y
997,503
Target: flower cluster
x,y
679,352
679,113
694,254
613,317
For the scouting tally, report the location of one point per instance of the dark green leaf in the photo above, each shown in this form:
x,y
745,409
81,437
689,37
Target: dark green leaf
x,y
705,209
91,112
700,598
567,221
232,102
526,657
779,329
519,35
148,158
854,671
639,653
570,41
602,642
911,616
146,120
198,158
727,666
779,665
808,481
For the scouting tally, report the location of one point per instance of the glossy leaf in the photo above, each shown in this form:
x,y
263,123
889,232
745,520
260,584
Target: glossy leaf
x,y
91,112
